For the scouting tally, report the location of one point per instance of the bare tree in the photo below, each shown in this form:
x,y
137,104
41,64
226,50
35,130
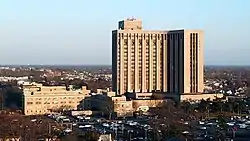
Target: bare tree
x,y
17,126
62,108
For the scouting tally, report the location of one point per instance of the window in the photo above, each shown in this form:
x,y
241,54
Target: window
x,y
154,42
161,43
29,103
140,42
133,42
147,42
125,42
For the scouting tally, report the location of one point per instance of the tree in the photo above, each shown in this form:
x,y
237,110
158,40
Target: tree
x,y
63,108
82,136
220,132
247,91
89,136
231,107
169,119
221,106
241,106
15,126
217,106
187,107
102,103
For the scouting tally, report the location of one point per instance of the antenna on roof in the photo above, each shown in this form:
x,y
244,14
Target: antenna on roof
x,y
131,18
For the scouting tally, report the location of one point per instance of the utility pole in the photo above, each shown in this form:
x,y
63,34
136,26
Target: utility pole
x,y
2,101
129,135
238,108
233,132
146,135
49,130
122,129
116,130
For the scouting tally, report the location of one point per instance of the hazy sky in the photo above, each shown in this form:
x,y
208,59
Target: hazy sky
x,y
79,31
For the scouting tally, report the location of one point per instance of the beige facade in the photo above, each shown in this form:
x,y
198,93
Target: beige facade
x,y
105,137
126,108
39,99
195,97
138,58
119,104
143,95
122,107
186,61
165,61
140,104
198,97
106,92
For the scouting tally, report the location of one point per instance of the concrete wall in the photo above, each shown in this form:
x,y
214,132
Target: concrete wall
x,y
149,103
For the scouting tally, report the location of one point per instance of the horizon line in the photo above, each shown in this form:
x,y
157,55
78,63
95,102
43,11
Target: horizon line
x,y
95,65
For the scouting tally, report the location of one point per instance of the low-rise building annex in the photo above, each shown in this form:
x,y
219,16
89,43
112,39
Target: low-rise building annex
x,y
39,99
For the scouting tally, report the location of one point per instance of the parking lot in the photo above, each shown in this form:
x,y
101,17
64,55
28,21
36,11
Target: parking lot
x,y
124,129
237,127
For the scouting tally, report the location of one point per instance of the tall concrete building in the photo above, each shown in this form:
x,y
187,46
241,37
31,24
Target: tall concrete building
x,y
185,61
138,58
148,61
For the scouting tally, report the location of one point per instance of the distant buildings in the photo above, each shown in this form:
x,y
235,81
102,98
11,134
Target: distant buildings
x,y
39,99
9,78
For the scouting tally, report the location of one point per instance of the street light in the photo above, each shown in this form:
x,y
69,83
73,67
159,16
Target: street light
x,y
129,132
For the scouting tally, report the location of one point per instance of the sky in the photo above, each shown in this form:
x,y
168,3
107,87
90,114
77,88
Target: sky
x,y
78,32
